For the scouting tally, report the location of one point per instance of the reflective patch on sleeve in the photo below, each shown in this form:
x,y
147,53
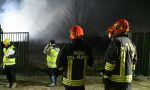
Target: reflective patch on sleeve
x,y
109,66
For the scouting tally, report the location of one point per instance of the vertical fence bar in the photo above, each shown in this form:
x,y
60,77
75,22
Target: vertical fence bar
x,y
1,46
142,42
148,53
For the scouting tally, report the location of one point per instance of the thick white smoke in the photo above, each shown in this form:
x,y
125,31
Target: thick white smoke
x,y
33,16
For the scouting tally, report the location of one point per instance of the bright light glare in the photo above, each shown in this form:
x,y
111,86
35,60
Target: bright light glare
x,y
34,16
13,22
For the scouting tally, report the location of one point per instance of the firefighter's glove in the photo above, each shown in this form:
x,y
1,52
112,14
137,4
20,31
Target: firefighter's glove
x,y
2,67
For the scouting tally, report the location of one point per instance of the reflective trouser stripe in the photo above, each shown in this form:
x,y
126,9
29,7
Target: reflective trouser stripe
x,y
73,82
117,78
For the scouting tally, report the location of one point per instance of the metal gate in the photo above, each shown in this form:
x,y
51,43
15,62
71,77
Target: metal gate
x,y
142,42
21,41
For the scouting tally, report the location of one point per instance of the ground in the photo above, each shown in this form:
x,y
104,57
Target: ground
x,y
40,82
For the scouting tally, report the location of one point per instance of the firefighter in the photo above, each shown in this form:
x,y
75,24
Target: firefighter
x,y
51,50
121,58
73,60
9,62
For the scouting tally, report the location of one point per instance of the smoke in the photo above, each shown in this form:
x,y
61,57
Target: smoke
x,y
42,18
38,17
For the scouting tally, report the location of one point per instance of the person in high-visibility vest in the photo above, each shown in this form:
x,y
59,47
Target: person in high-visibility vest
x,y
9,61
74,59
120,58
51,50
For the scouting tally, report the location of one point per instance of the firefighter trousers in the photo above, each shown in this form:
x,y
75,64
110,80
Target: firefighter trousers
x,y
10,73
52,72
118,86
74,87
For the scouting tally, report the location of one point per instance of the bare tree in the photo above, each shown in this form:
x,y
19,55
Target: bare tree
x,y
79,12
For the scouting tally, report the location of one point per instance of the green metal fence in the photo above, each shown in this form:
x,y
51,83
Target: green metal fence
x,y
142,42
21,42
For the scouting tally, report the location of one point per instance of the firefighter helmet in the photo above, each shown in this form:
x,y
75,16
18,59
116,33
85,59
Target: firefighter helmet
x,y
121,26
76,32
6,41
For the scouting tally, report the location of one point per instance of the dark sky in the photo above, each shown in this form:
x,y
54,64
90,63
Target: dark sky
x,y
135,11
103,13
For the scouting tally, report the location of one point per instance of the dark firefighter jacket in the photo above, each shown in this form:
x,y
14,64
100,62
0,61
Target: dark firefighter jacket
x,y
120,59
73,59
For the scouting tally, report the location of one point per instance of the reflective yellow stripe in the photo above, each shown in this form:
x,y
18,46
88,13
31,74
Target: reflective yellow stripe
x,y
73,82
109,66
10,61
117,78
122,61
51,64
69,73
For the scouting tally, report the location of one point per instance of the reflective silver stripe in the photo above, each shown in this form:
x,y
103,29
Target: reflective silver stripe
x,y
118,78
10,61
109,66
73,82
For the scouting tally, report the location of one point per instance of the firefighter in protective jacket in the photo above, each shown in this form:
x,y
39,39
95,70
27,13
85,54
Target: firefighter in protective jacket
x,y
120,58
73,60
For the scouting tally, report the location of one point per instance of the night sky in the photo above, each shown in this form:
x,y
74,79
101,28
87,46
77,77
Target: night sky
x,y
52,19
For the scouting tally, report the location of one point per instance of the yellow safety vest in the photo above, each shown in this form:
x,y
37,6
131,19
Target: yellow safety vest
x,y
6,60
51,57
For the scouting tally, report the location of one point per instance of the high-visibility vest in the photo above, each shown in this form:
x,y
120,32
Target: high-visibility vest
x,y
51,57
7,60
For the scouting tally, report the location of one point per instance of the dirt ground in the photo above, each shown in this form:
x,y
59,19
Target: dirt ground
x,y
40,82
